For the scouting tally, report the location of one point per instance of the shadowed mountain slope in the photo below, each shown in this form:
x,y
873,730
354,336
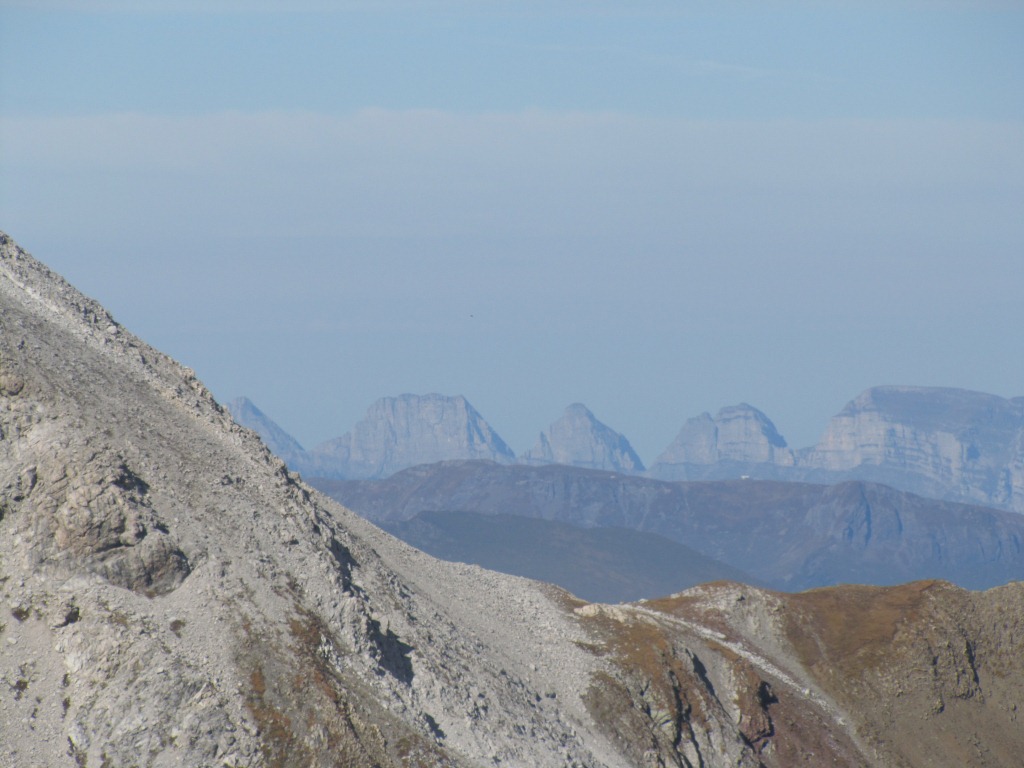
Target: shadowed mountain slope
x,y
609,565
790,535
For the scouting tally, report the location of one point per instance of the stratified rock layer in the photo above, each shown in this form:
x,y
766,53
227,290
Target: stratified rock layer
x,y
580,440
937,441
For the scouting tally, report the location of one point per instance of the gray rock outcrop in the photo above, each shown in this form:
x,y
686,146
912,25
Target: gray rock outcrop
x,y
580,440
739,440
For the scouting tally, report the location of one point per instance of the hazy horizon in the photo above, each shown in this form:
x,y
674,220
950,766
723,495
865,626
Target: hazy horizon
x,y
657,209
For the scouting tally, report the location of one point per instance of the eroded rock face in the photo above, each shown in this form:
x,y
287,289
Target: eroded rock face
x,y
403,431
962,444
944,443
92,514
738,438
580,440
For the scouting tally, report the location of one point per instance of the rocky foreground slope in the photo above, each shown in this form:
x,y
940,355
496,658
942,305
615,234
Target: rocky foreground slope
x,y
172,596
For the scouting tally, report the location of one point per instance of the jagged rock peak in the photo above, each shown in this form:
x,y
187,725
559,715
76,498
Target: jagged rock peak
x,y
283,445
403,431
580,440
739,433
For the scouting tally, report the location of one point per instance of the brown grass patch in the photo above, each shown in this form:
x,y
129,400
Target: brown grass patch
x,y
852,624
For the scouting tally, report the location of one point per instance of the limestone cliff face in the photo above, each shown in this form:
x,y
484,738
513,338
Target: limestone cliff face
x,y
407,430
580,440
954,442
1015,472
945,443
739,437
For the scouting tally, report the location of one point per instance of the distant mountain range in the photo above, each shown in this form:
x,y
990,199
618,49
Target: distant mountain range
x,y
943,443
404,431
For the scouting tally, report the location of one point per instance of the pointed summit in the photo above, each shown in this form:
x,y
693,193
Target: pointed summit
x,y
400,432
580,440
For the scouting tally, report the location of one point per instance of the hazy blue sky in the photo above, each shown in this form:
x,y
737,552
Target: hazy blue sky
x,y
654,208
